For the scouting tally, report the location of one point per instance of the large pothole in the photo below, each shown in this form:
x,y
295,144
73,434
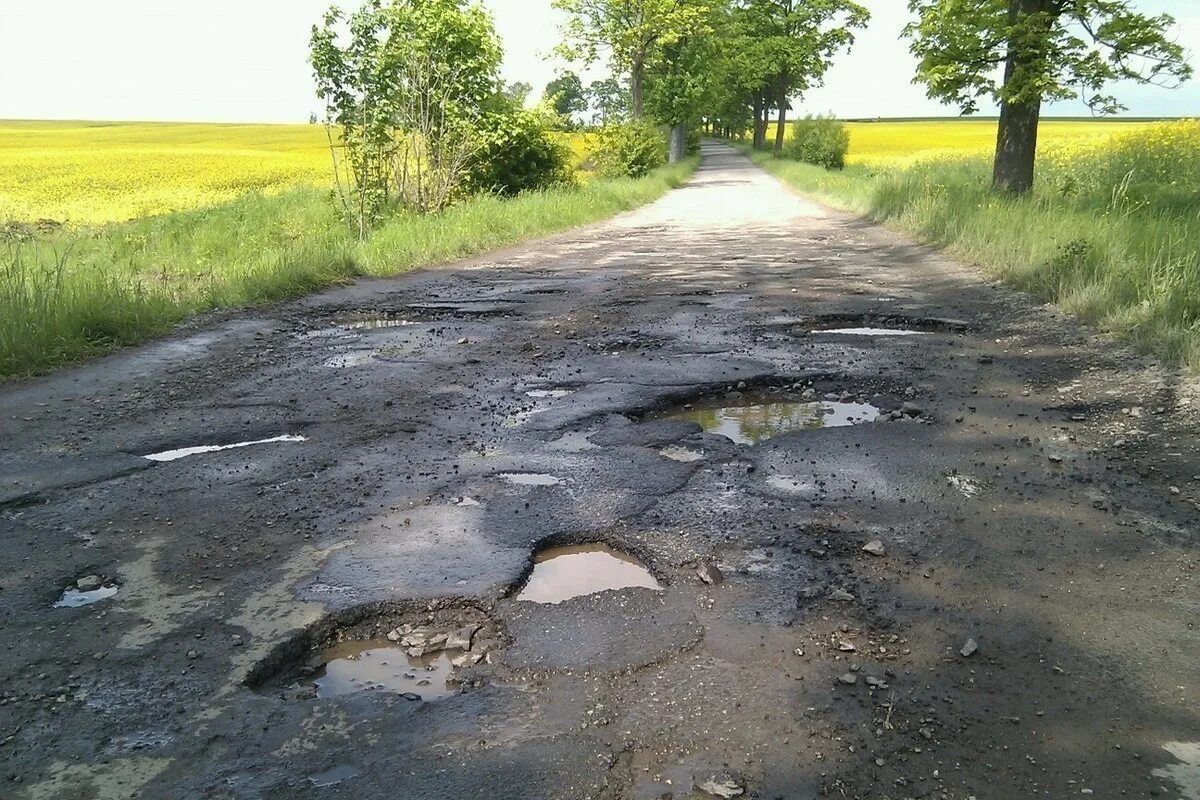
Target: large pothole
x,y
574,570
415,654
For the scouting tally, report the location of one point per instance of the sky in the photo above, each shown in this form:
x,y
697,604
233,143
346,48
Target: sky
x,y
245,61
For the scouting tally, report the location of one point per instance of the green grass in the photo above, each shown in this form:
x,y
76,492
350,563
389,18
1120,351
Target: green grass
x,y
70,294
1111,232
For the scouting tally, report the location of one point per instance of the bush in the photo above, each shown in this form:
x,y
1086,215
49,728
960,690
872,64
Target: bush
x,y
517,153
630,149
819,140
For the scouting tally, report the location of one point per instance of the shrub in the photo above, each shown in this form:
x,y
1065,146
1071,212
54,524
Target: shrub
x,y
630,149
819,140
517,152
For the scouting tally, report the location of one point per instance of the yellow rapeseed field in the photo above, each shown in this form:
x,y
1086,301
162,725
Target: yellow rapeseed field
x,y
904,142
90,172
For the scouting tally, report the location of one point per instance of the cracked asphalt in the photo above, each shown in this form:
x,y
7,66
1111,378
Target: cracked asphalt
x,y
1037,495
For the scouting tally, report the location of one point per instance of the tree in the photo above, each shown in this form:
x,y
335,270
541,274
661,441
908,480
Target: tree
x,y
633,32
1050,49
797,40
564,93
608,100
403,82
517,92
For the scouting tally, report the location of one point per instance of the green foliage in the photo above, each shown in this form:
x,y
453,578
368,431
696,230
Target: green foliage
x,y
630,149
609,101
819,140
564,93
517,153
1060,50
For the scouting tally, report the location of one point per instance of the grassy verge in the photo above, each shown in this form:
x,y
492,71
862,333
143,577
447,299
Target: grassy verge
x,y
1111,232
69,294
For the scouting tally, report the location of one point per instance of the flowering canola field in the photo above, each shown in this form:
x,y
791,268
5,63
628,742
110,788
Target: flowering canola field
x,y
905,142
93,172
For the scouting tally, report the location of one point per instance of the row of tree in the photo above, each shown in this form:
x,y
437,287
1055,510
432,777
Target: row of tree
x,y
733,64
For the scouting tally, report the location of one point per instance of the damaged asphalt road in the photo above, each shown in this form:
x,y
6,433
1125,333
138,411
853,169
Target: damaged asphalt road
x,y
1023,620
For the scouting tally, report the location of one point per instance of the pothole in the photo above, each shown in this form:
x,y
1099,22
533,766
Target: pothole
x,y
870,331
375,324
566,571
383,665
530,478
968,486
417,653
750,418
86,591
548,393
183,452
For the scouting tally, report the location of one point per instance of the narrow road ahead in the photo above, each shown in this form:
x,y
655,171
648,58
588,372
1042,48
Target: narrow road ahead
x,y
670,385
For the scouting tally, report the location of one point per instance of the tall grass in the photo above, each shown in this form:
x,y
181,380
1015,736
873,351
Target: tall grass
x,y
1111,232
71,293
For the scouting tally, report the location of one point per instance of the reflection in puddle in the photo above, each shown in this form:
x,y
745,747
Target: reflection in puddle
x,y
872,331
1186,774
74,598
530,478
171,455
342,772
750,423
372,324
560,573
379,664
679,453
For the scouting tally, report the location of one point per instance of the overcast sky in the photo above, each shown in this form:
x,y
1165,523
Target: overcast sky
x,y
244,60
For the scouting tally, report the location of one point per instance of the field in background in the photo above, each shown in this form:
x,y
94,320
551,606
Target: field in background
x,y
93,172
1111,231
85,173
907,141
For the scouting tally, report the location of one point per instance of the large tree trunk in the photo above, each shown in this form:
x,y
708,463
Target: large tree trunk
x,y
1016,136
678,147
780,126
636,73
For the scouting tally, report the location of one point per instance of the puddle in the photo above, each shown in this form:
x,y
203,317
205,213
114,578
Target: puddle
x,y
552,393
74,598
530,479
560,573
747,423
371,664
330,777
171,455
355,358
373,324
871,331
679,453
1186,774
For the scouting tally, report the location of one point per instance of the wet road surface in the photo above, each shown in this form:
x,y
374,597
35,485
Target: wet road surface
x,y
696,399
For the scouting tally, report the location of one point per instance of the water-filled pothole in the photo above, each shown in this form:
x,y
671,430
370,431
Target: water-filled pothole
x,y
560,573
380,664
374,324
335,775
75,597
747,420
182,452
677,452
871,331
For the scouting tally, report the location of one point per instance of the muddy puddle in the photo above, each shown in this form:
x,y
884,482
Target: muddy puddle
x,y
560,573
379,664
749,421
183,452
75,598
